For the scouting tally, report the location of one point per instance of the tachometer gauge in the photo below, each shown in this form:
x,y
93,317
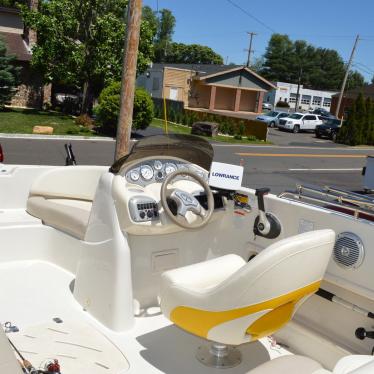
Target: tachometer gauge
x,y
147,172
157,165
170,168
134,175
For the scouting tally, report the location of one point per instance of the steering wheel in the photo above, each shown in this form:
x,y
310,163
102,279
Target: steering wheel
x,y
185,201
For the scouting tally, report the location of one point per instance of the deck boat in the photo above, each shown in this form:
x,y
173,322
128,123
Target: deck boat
x,y
145,267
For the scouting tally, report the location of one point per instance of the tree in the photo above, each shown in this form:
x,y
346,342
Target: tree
x,y
81,43
150,16
355,80
8,76
192,54
12,3
164,35
107,110
321,68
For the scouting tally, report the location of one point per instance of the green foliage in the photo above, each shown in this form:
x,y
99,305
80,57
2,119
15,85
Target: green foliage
x,y
80,43
321,68
12,3
359,126
165,31
73,130
107,110
180,53
282,104
8,76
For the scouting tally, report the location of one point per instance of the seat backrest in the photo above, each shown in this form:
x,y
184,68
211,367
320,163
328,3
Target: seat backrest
x,y
70,182
276,280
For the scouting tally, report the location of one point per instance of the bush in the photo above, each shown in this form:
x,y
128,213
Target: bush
x,y
72,130
282,104
238,137
252,138
84,120
107,110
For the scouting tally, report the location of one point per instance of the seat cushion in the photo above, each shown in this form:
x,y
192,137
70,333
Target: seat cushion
x,y
291,364
68,215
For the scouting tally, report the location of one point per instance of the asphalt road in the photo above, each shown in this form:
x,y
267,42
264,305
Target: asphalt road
x,y
278,167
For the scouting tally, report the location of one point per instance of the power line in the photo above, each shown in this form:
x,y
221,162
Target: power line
x,y
250,15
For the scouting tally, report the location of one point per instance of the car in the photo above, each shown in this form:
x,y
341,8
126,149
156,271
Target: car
x,y
267,106
205,128
297,122
323,113
328,129
272,117
1,154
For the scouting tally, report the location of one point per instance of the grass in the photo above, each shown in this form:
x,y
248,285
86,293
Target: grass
x,y
180,129
22,121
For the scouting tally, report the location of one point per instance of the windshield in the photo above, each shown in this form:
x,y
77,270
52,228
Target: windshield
x,y
333,122
295,116
187,147
272,114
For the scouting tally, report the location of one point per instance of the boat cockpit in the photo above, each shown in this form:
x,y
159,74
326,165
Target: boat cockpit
x,y
142,266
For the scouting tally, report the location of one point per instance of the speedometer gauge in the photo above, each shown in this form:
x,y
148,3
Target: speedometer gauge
x,y
157,165
134,175
147,172
170,168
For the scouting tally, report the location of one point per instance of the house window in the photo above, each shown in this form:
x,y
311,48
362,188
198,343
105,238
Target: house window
x,y
305,99
292,98
317,100
327,102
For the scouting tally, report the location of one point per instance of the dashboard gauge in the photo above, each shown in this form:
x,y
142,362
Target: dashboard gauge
x,y
157,165
170,168
134,174
147,172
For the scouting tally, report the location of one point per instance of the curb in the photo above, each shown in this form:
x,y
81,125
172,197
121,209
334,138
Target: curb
x,y
56,137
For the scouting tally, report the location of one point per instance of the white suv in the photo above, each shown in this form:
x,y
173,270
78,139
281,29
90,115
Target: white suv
x,y
300,122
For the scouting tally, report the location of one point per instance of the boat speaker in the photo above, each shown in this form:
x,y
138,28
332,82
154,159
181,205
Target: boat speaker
x,y
349,251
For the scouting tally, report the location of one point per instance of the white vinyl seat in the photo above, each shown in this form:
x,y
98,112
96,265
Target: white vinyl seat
x,y
62,198
229,301
294,364
68,215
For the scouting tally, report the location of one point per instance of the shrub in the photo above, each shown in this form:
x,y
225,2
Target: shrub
x,y
238,137
72,130
282,104
252,138
84,120
107,110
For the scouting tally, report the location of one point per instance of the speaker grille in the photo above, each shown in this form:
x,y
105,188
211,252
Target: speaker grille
x,y
348,250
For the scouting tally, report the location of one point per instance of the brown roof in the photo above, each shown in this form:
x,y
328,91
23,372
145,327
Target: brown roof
x,y
15,46
367,91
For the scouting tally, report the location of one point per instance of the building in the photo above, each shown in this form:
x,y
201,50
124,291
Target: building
x,y
212,88
349,97
19,41
308,99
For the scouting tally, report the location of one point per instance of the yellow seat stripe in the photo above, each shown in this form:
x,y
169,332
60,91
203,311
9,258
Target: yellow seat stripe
x,y
199,322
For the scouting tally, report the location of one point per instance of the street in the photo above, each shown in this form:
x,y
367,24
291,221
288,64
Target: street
x,y
277,167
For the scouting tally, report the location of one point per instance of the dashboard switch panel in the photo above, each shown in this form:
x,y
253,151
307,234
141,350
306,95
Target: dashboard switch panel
x,y
143,209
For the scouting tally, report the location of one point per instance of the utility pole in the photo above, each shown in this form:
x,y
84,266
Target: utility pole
x,y
134,14
298,88
251,35
346,76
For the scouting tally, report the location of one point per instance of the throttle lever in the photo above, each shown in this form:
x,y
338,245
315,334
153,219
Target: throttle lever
x,y
266,224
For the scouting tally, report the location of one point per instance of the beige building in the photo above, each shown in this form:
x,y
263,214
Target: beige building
x,y
209,87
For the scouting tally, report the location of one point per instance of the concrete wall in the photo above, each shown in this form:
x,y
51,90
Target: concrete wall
x,y
248,101
225,98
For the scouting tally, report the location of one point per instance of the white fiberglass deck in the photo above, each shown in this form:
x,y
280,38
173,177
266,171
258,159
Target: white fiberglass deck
x,y
35,292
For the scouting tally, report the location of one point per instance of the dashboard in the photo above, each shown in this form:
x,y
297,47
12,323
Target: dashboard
x,y
155,171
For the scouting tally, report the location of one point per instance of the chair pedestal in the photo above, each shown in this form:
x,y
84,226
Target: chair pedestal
x,y
219,356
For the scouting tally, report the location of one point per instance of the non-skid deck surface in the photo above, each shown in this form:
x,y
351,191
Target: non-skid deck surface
x,y
78,348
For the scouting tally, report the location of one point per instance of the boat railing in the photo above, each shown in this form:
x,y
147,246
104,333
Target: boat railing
x,y
333,198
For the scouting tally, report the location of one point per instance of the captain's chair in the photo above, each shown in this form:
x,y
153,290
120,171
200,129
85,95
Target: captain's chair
x,y
229,301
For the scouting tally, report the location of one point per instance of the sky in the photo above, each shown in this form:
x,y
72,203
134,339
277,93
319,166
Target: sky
x,y
221,25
